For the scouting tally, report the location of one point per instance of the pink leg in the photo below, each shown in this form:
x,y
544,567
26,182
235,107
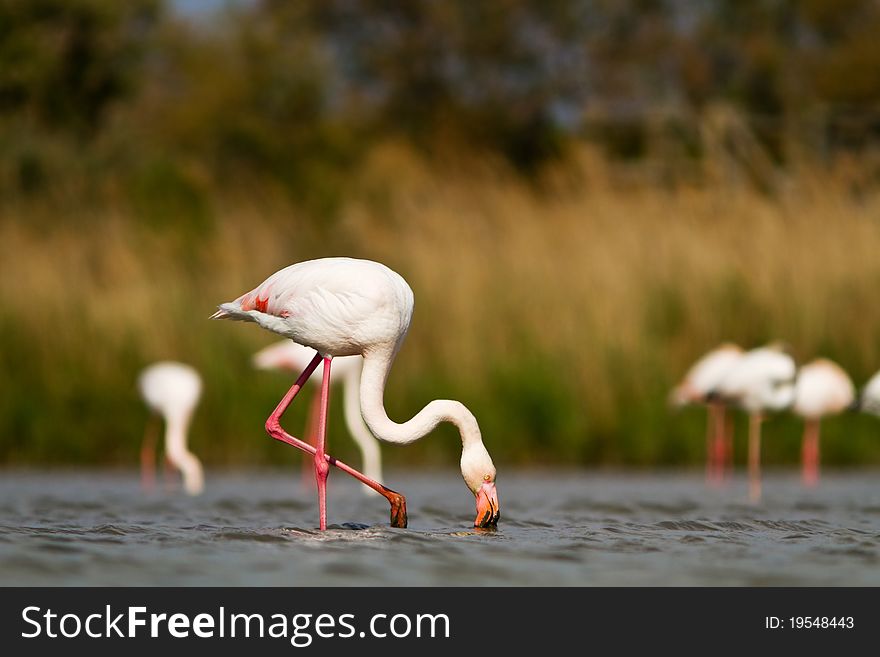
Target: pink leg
x,y
710,461
322,469
715,444
308,476
755,457
718,445
274,429
148,455
728,441
810,454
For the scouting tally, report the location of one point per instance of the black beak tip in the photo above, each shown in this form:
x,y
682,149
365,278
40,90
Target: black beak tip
x,y
490,519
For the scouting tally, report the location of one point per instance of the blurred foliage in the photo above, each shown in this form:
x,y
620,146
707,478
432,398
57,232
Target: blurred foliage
x,y
486,74
584,195
63,62
295,94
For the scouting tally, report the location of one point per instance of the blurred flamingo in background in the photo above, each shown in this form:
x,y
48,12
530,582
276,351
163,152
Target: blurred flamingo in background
x,y
869,399
347,307
697,387
762,381
171,390
822,388
288,355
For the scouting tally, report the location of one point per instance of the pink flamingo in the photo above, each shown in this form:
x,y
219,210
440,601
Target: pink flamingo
x,y
347,307
288,355
171,390
822,388
698,387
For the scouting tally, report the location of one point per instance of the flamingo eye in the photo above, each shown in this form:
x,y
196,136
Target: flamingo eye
x,y
487,477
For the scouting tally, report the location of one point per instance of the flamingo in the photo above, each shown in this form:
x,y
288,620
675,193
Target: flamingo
x,y
869,399
762,381
288,355
822,388
347,307
172,390
701,380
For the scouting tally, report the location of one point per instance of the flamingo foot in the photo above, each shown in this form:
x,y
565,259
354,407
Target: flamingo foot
x,y
398,509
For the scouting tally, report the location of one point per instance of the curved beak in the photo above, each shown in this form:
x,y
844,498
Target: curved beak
x,y
488,511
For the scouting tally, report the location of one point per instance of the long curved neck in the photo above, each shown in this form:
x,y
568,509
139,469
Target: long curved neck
x,y
368,445
377,364
176,426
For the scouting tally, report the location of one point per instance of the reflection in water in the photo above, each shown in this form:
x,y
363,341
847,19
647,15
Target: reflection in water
x,y
258,528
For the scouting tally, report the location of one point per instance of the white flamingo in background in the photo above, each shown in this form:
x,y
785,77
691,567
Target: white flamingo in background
x,y
869,399
288,355
347,307
762,381
697,387
172,390
822,388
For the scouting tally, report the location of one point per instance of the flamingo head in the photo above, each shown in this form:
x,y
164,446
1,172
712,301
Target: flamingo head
x,y
479,475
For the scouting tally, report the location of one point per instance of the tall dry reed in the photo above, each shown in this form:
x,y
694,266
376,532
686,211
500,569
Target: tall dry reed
x,y
561,312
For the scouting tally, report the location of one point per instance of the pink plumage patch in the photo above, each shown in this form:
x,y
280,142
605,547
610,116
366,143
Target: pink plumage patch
x,y
255,303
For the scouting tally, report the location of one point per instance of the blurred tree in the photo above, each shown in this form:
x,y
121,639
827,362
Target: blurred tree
x,y
498,75
778,60
253,98
843,67
63,62
295,93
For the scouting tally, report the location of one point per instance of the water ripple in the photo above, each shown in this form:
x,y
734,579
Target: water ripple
x,y
98,528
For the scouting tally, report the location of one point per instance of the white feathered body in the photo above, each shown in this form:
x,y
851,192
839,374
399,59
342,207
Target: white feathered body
x,y
334,305
762,380
822,388
706,374
170,389
870,398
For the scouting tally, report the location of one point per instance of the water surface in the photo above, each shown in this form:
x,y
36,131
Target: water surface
x,y
557,528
